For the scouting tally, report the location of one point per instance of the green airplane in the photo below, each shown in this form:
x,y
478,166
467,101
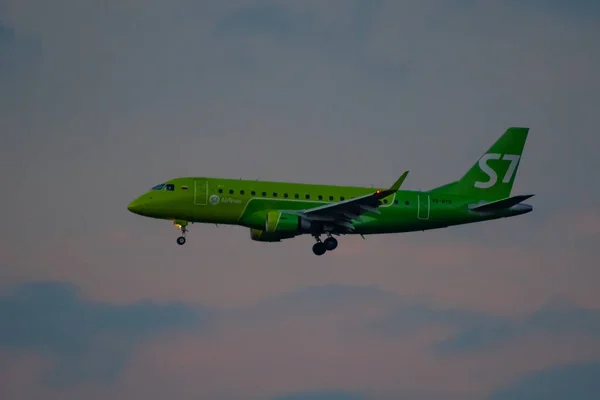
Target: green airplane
x,y
274,211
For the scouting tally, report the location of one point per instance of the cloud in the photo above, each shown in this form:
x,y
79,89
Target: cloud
x,y
20,56
315,339
330,335
586,9
476,331
579,381
270,19
324,395
90,340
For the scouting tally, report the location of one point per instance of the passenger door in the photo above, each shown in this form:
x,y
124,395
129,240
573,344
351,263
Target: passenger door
x,y
200,192
423,206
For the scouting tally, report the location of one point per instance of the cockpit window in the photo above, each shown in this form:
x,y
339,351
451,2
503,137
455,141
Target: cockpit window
x,y
165,186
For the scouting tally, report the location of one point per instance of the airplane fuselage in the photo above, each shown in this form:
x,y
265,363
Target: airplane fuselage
x,y
245,203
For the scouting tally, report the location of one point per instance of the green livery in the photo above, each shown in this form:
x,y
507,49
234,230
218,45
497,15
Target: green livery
x,y
274,211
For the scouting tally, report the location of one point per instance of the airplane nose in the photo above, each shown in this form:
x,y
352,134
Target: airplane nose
x,y
135,207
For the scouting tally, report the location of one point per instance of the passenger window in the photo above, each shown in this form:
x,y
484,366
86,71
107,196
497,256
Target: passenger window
x,y
330,198
297,196
220,190
320,197
242,192
230,191
264,194
285,195
407,203
170,187
395,201
385,201
274,194
253,193
341,198
308,196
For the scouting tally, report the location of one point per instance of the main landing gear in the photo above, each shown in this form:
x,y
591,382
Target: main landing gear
x,y
321,247
182,225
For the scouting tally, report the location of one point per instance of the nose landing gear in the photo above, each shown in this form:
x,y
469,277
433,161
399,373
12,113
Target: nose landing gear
x,y
182,225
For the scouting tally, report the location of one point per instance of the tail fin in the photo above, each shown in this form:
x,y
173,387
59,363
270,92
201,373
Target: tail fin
x,y
492,177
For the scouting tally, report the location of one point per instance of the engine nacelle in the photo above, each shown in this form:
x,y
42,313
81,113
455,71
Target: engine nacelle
x,y
262,236
283,222
281,225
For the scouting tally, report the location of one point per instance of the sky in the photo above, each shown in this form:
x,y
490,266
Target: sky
x,y
99,101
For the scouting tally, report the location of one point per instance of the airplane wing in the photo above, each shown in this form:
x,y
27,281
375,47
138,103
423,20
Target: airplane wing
x,y
342,213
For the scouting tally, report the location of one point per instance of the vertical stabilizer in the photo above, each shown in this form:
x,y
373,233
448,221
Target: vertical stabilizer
x,y
493,175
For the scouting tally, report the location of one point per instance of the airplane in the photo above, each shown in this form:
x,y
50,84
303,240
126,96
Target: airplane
x,y
275,211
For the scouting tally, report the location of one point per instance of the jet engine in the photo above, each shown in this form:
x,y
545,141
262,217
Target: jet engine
x,y
286,222
281,225
262,236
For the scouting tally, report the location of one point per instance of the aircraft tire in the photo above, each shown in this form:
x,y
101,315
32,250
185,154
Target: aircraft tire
x,y
319,248
181,240
331,243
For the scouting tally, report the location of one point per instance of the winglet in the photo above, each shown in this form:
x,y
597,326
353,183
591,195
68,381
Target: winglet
x,y
380,194
396,186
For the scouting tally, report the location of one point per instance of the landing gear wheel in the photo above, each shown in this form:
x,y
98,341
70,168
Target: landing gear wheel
x,y
319,248
330,243
182,226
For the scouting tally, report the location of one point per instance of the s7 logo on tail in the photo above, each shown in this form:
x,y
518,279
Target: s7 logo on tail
x,y
493,177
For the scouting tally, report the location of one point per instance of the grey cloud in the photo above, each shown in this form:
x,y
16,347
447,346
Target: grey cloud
x,y
475,331
322,395
583,9
20,55
271,19
557,318
575,381
53,318
91,340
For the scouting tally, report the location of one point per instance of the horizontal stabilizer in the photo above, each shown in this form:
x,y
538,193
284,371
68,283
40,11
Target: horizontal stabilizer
x,y
501,204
